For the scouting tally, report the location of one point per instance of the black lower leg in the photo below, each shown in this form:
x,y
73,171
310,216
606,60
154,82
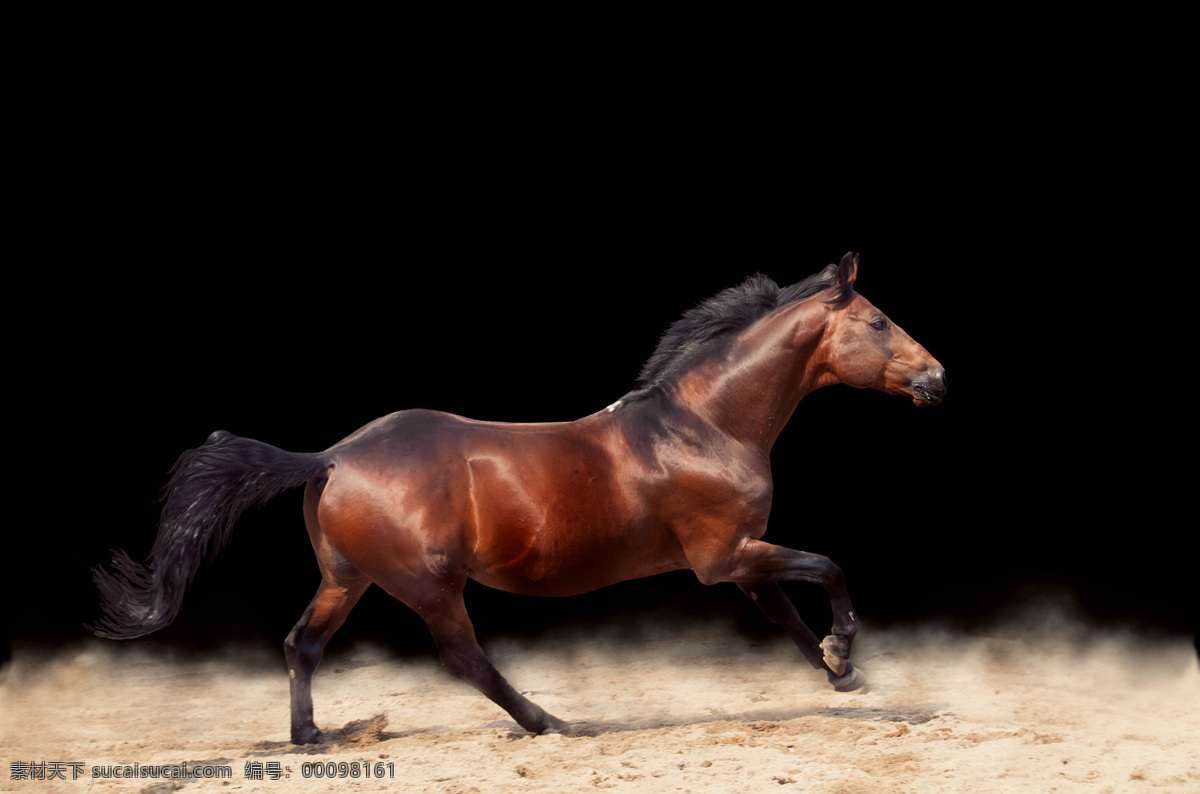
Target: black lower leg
x,y
464,659
476,670
774,603
305,646
763,562
303,655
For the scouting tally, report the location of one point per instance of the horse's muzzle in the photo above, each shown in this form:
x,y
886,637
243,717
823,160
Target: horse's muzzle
x,y
929,388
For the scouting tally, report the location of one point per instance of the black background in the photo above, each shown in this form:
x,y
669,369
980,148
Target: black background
x,y
289,269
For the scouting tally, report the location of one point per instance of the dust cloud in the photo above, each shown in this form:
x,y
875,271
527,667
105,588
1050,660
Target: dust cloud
x,y
1043,704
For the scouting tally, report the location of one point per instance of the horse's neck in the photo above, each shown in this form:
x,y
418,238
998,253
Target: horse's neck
x,y
751,388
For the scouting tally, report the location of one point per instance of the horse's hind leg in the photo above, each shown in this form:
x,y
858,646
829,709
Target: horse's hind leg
x,y
448,622
341,587
463,658
306,643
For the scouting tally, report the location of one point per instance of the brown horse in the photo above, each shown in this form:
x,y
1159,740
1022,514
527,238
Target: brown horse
x,y
674,475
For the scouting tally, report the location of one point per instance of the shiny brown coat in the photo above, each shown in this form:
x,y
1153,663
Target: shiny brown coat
x,y
675,476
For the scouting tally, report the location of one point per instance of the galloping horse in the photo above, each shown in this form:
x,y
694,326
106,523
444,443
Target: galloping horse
x,y
675,475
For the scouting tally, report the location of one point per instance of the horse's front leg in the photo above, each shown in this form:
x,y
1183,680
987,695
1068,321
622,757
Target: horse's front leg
x,y
774,603
756,566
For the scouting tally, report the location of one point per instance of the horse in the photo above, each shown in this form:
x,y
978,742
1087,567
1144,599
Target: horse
x,y
674,475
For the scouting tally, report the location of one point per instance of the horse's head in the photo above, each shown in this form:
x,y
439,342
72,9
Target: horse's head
x,y
865,349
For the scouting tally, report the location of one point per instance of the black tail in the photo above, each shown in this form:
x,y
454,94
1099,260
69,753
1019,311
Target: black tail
x,y
210,487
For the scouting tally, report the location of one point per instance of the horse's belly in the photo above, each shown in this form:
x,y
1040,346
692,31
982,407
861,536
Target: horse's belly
x,y
543,573
556,558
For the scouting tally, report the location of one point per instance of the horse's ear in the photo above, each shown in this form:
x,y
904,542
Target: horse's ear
x,y
848,268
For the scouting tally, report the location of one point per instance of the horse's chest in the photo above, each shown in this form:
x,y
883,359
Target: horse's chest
x,y
726,491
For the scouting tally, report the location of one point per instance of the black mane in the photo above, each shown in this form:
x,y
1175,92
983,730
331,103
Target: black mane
x,y
728,311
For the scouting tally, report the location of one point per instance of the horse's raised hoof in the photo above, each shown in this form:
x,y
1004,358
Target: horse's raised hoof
x,y
849,681
837,653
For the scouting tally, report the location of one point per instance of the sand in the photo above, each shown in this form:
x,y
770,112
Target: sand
x,y
689,708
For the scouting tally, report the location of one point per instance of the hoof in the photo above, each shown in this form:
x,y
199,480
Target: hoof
x,y
306,735
849,681
837,653
555,726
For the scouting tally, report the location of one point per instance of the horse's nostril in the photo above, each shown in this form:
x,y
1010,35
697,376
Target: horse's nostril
x,y
931,386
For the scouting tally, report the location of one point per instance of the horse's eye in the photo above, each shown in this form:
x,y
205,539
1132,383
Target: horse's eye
x,y
879,324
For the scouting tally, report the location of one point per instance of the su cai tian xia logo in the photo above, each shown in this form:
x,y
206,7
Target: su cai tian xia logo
x,y
253,770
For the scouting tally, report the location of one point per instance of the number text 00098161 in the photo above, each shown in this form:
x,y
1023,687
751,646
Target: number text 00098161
x,y
347,769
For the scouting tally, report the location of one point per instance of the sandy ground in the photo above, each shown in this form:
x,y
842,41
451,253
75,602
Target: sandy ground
x,y
690,709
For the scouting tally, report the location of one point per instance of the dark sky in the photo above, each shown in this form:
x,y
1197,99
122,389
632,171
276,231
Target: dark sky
x,y
251,287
